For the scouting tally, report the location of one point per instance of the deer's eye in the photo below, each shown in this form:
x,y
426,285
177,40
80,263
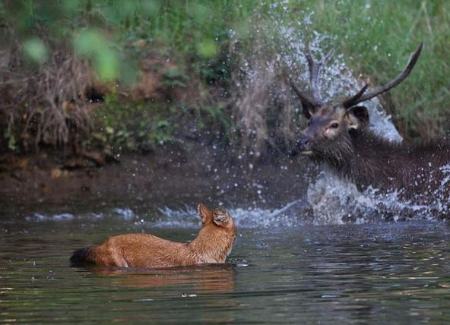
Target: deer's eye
x,y
334,125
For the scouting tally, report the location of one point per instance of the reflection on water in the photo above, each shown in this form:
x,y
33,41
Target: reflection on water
x,y
290,273
205,279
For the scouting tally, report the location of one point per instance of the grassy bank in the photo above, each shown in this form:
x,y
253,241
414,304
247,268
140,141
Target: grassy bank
x,y
130,76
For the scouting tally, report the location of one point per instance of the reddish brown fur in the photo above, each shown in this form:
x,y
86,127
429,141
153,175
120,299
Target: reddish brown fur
x,y
212,245
212,279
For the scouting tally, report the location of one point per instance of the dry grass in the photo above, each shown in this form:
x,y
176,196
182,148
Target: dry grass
x,y
44,105
264,111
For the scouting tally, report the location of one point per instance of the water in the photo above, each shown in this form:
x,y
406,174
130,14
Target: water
x,y
286,271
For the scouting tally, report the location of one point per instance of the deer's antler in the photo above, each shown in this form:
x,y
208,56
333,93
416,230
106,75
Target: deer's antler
x,y
315,100
314,72
361,97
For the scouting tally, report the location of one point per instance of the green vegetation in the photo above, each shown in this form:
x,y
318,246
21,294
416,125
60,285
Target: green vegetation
x,y
131,127
176,61
377,37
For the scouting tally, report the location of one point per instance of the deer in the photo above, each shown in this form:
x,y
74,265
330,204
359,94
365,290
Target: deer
x,y
339,136
212,245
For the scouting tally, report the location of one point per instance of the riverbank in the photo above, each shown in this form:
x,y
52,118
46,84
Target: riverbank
x,y
168,176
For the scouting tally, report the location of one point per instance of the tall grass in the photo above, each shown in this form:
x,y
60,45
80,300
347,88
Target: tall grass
x,y
377,38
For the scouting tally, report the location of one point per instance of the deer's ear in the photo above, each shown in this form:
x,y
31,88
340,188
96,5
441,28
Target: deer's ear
x,y
205,213
357,117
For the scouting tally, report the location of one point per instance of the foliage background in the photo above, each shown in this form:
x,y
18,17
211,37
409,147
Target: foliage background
x,y
132,75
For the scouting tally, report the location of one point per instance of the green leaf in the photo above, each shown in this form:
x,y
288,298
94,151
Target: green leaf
x,y
207,48
93,44
107,65
35,50
89,42
12,144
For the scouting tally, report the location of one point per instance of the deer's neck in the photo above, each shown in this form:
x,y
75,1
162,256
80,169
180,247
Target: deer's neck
x,y
212,246
370,162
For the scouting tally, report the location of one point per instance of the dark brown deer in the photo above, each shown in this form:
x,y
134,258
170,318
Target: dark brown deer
x,y
338,135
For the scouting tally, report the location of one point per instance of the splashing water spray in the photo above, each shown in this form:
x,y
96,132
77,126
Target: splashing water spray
x,y
331,199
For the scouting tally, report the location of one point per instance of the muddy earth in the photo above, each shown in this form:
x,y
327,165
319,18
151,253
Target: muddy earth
x,y
166,177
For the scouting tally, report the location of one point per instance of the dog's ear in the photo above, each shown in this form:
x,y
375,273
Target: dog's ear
x,y
205,213
221,218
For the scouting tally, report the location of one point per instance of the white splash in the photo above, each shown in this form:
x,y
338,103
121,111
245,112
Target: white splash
x,y
42,217
124,213
336,78
244,218
332,200
336,201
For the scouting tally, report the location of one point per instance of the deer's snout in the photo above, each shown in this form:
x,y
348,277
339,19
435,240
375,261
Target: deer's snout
x,y
304,145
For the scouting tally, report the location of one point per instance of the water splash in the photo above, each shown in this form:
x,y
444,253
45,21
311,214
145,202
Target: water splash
x,y
244,218
186,217
336,201
278,49
332,200
42,217
336,78
125,213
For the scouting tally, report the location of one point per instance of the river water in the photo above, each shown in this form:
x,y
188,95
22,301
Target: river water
x,y
283,271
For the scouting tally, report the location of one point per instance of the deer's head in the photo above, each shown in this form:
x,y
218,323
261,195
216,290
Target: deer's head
x,y
332,124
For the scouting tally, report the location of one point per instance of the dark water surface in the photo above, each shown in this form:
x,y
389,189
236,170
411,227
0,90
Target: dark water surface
x,y
290,273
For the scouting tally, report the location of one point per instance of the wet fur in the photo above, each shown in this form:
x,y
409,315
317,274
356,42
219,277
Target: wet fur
x,y
211,246
369,160
338,135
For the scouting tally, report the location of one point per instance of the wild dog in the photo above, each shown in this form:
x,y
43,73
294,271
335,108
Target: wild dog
x,y
211,246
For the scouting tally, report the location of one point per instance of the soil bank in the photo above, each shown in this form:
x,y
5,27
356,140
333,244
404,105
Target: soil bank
x,y
166,177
